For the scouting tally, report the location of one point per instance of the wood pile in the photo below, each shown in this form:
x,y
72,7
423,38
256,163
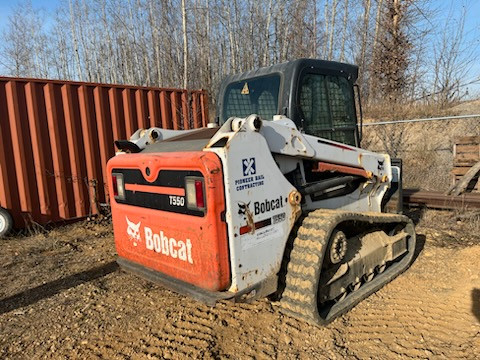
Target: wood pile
x,y
466,153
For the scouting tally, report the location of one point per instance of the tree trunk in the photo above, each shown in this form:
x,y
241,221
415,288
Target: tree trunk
x,y
332,29
267,34
344,31
75,43
363,49
185,45
324,51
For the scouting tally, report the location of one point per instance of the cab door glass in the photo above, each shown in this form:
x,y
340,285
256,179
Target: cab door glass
x,y
328,107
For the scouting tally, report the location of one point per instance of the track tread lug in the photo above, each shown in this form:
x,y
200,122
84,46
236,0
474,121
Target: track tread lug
x,y
299,297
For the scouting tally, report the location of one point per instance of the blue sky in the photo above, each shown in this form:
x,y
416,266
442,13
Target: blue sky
x,y
472,30
6,7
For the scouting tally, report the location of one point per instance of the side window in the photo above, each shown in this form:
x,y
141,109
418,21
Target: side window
x,y
328,107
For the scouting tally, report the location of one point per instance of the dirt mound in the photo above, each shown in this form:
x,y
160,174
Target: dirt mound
x,y
63,296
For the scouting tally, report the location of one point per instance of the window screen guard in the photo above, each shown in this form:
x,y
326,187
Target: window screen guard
x,y
328,109
252,96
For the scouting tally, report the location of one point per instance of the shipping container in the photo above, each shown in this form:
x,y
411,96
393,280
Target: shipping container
x,y
56,138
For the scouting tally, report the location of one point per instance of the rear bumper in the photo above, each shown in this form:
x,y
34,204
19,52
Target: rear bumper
x,y
181,287
259,290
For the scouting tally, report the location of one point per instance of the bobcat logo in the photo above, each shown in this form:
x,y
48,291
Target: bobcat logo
x,y
133,231
243,209
380,164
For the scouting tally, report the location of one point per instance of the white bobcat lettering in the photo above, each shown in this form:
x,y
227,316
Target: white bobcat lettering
x,y
177,249
133,231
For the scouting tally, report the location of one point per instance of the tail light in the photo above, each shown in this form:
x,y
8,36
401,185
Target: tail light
x,y
195,190
118,186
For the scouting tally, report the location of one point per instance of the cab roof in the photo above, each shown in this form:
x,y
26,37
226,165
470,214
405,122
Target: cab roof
x,y
290,67
290,72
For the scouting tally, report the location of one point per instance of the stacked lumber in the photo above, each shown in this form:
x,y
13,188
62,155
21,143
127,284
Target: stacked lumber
x,y
466,153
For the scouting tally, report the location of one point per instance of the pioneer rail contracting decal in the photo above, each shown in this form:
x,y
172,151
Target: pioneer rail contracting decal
x,y
250,179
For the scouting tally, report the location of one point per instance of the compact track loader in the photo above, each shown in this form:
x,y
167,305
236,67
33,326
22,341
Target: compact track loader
x,y
277,201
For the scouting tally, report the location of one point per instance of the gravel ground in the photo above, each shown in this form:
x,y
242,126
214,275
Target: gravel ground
x,y
62,296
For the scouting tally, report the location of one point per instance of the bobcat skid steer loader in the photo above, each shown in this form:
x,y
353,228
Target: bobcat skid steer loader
x,y
276,201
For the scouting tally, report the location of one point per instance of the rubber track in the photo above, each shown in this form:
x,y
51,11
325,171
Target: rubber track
x,y
299,298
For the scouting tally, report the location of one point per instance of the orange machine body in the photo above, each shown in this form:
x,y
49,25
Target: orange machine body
x,y
187,245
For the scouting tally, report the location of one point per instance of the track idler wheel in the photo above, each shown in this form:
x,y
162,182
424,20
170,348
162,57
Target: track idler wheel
x,y
338,246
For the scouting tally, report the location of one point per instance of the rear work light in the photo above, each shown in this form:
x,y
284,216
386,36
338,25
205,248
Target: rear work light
x,y
118,186
195,190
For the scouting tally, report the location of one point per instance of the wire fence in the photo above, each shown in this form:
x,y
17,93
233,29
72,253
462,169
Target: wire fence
x,y
426,146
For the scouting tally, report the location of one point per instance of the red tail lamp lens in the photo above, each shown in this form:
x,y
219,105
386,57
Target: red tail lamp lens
x,y
115,186
194,189
199,194
118,186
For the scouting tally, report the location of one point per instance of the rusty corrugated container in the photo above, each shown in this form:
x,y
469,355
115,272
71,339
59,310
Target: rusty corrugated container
x,y
56,138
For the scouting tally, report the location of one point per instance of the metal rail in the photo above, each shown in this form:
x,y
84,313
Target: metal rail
x,y
422,120
438,200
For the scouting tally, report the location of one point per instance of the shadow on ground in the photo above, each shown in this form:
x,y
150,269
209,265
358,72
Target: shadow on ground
x,y
476,303
414,213
51,288
419,245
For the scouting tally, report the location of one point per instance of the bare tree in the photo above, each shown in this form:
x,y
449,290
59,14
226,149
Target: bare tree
x,y
185,45
391,58
364,38
180,43
24,50
344,30
453,60
332,29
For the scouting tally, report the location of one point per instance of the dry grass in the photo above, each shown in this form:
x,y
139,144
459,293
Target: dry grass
x,y
388,111
426,148
453,229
